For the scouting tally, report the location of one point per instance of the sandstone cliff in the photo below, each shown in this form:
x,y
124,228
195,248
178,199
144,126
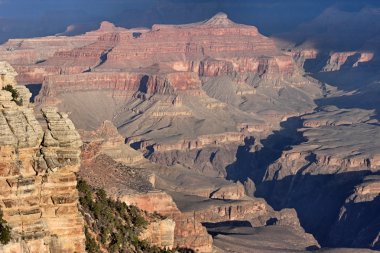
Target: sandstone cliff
x,y
7,74
38,183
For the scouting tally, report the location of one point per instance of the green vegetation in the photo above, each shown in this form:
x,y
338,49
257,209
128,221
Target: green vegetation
x,y
5,230
15,95
112,225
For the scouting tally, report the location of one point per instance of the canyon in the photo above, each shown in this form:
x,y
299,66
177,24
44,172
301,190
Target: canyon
x,y
238,141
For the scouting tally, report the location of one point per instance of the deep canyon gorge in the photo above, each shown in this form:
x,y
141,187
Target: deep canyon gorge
x,y
239,142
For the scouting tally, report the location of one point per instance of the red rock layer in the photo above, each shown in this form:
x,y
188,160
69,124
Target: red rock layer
x,y
211,48
28,56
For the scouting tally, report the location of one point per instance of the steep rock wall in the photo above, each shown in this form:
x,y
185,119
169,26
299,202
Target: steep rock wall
x,y
37,180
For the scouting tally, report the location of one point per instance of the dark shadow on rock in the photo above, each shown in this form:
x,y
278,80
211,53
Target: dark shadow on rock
x,y
135,145
316,65
317,200
363,83
34,89
369,100
221,228
272,221
185,250
351,60
359,226
136,35
144,84
232,223
312,248
348,79
40,61
102,58
253,164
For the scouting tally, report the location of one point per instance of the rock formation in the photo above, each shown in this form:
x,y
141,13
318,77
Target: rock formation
x,y
332,156
26,55
186,199
38,183
160,233
7,74
337,167
107,140
245,238
357,223
351,59
134,184
213,73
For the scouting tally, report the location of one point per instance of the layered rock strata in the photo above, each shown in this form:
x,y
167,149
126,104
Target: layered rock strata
x,y
38,165
160,233
135,185
171,88
187,199
337,166
27,55
318,61
164,87
107,140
